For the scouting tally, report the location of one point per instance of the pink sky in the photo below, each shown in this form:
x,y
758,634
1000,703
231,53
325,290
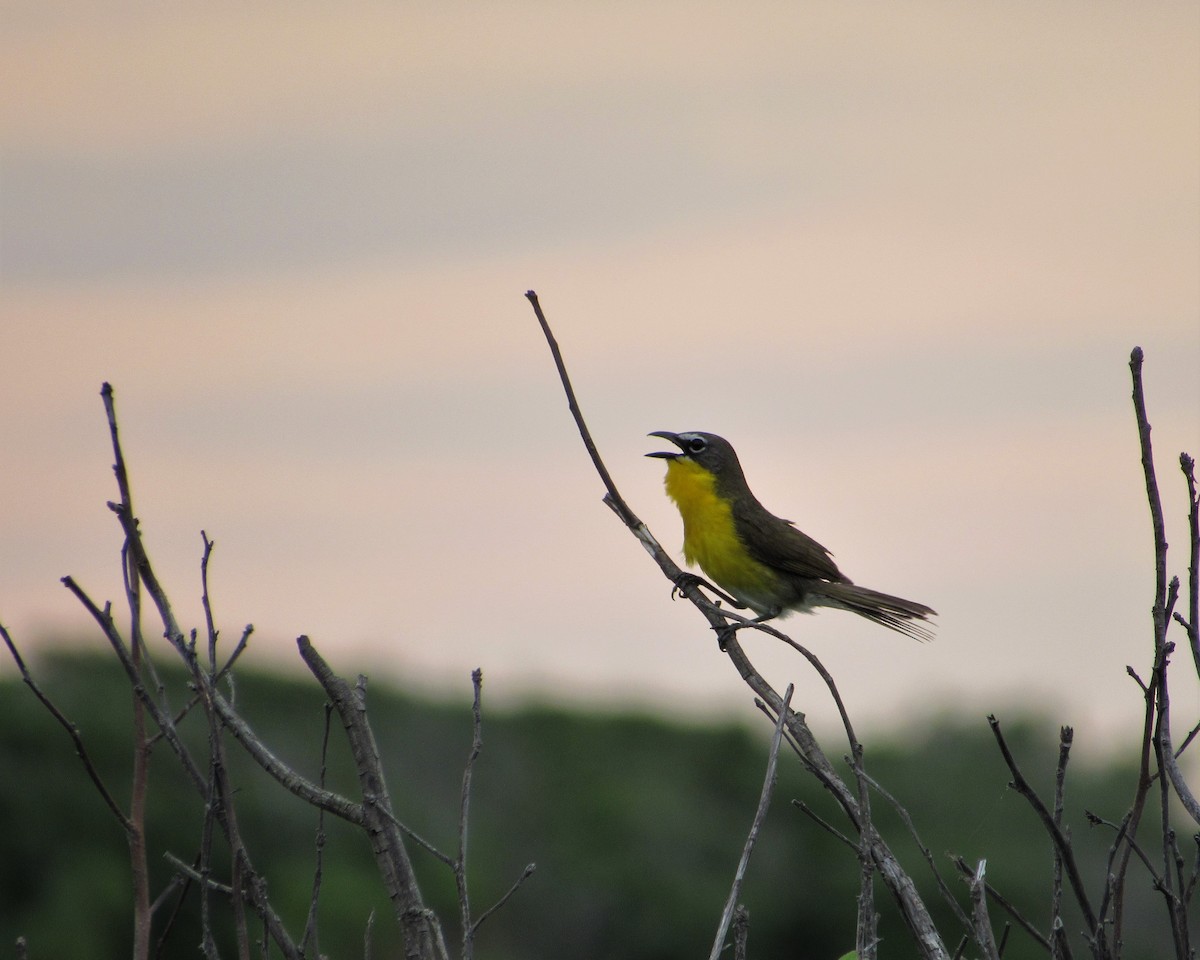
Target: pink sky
x,y
897,255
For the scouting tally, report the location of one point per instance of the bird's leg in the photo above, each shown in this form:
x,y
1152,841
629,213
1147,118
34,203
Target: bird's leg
x,y
732,627
686,579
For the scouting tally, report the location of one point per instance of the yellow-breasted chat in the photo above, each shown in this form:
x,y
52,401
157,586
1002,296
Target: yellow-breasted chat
x,y
762,561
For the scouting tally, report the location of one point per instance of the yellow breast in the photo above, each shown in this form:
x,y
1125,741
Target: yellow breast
x,y
710,537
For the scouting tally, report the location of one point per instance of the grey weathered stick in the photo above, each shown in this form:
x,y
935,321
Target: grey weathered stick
x,y
741,934
422,934
983,924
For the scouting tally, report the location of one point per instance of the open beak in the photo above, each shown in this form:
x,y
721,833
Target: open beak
x,y
673,437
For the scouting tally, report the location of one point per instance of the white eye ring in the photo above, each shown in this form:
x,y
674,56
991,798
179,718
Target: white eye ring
x,y
696,445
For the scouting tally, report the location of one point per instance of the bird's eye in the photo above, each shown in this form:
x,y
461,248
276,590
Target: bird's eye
x,y
696,445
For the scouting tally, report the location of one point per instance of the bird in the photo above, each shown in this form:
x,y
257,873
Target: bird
x,y
761,560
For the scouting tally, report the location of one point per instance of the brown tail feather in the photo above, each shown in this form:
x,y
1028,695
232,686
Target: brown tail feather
x,y
896,613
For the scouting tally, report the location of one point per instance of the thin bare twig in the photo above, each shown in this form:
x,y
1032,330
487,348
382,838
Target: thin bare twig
x,y
206,603
237,652
418,839
129,523
310,924
1167,755
824,824
183,884
760,814
617,502
1189,888
1166,762
221,790
139,780
165,894
197,876
1060,948
1152,496
1188,465
367,936
72,732
460,862
1156,730
1123,844
1061,843
506,896
208,943
822,672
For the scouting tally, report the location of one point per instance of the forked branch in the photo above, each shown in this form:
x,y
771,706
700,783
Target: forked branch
x,y
912,908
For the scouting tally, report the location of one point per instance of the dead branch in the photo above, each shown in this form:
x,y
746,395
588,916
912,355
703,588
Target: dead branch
x,y
422,935
982,924
422,932
725,624
1061,843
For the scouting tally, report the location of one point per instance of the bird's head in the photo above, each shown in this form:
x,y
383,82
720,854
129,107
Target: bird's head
x,y
706,450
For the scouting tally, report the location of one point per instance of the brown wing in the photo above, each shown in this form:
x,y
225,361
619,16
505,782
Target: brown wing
x,y
778,544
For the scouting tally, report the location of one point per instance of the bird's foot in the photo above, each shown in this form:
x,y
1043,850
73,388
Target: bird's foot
x,y
725,633
686,579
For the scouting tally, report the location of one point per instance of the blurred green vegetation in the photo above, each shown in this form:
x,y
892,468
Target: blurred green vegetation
x,y
635,825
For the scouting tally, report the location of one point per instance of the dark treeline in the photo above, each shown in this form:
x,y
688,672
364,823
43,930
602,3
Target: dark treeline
x,y
635,825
